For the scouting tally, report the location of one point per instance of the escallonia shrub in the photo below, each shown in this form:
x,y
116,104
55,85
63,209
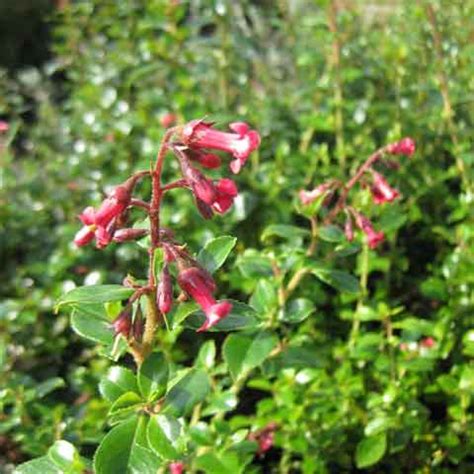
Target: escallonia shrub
x,y
171,418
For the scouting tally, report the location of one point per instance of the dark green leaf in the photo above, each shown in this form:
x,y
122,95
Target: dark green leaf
x,y
186,393
215,252
42,465
331,233
338,279
91,322
153,376
244,352
94,294
116,382
289,232
296,310
165,436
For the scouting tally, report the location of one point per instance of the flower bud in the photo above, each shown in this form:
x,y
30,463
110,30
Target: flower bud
x,y
123,323
124,235
164,291
406,146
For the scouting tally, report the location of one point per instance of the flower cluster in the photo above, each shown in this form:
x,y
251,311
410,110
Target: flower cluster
x,y
194,145
264,438
380,189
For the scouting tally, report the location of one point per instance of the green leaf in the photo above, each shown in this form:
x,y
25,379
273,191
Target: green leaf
x,y
153,376
241,317
180,312
94,294
296,310
244,352
371,450
264,298
289,232
331,233
165,436
222,463
207,354
126,403
338,279
91,322
213,255
116,382
65,456
125,449
48,386
253,265
42,465
186,393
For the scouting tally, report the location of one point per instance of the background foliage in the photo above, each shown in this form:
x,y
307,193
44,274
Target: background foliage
x,y
350,385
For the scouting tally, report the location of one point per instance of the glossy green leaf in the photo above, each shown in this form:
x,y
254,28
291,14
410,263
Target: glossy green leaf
x,y
153,376
207,354
91,322
94,294
331,233
371,450
42,465
264,297
296,310
213,255
338,279
125,449
244,352
289,232
186,393
65,456
165,436
116,382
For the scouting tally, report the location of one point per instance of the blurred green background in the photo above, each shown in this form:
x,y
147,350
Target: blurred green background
x,y
83,85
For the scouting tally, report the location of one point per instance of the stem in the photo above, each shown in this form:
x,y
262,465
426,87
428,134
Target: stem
x,y
448,112
364,275
338,95
314,236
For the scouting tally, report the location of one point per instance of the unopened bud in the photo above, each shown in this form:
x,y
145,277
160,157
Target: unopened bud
x,y
124,235
164,291
349,229
123,323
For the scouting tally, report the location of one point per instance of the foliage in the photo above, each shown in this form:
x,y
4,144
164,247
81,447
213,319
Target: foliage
x,y
363,360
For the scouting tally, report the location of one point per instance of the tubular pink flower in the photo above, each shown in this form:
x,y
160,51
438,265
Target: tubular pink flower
x,y
373,237
98,223
381,191
198,284
226,191
307,197
199,134
406,146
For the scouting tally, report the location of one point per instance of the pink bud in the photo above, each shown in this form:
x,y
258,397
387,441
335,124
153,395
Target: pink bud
x,y
428,342
348,229
168,119
124,235
208,160
4,126
406,146
176,467
123,323
164,291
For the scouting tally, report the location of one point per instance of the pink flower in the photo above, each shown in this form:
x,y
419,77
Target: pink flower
x,y
4,126
226,191
198,284
164,291
307,197
199,134
428,342
406,146
373,238
264,437
99,223
123,323
176,467
168,119
381,191
206,160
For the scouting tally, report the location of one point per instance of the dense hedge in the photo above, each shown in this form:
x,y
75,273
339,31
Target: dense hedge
x,y
381,378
